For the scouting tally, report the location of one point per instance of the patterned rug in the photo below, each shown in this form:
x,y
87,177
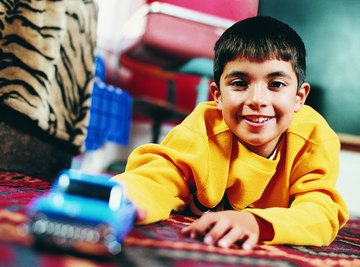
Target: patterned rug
x,y
162,244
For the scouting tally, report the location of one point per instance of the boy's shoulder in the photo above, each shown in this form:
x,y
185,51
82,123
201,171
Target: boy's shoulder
x,y
206,119
310,125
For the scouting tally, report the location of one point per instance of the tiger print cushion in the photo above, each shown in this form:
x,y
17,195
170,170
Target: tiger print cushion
x,y
46,63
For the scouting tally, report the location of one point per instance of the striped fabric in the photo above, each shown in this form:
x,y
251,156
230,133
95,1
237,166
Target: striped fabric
x,y
47,51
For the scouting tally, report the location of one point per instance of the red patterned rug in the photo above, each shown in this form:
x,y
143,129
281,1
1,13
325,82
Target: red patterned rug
x,y
162,244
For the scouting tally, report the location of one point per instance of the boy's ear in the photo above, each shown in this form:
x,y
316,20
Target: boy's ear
x,y
215,92
301,96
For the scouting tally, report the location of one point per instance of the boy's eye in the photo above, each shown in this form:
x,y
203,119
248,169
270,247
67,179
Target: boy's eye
x,y
276,84
239,83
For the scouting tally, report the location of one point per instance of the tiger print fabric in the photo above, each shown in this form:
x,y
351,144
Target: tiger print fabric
x,y
47,56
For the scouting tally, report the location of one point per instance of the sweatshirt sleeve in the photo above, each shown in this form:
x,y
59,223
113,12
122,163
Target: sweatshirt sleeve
x,y
316,211
160,177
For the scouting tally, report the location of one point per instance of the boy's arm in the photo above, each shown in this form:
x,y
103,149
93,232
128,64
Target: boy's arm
x,y
316,211
314,217
158,178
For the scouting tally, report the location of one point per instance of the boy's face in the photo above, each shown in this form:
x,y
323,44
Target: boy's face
x,y
258,100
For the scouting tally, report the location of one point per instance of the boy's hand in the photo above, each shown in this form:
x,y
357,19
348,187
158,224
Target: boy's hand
x,y
225,228
140,215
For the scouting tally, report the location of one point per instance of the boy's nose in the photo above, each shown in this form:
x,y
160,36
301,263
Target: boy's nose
x,y
257,97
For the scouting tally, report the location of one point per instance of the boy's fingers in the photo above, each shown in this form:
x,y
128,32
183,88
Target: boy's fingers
x,y
216,232
192,230
186,230
140,215
200,226
189,231
234,235
207,221
250,242
9,216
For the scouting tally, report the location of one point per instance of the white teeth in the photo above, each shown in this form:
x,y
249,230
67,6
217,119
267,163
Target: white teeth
x,y
258,119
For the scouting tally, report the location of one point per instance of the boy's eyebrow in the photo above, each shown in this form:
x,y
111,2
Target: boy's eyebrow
x,y
236,74
270,75
279,74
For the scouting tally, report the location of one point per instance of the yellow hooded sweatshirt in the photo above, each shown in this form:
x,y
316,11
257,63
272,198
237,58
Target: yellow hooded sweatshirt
x,y
295,191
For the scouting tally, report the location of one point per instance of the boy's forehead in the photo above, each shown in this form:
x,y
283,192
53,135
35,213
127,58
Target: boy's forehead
x,y
250,66
257,60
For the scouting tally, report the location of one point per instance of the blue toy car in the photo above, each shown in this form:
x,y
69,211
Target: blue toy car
x,y
82,212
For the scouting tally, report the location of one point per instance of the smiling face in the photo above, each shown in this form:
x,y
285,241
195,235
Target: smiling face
x,y
258,100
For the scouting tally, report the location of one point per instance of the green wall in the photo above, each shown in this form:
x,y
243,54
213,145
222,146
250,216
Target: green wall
x,y
331,32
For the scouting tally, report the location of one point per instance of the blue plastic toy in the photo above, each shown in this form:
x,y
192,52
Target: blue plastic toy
x,y
82,212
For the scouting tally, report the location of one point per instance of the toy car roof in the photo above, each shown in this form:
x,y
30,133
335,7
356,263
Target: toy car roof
x,y
77,175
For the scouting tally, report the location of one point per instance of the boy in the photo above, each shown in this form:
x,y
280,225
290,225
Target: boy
x,y
255,164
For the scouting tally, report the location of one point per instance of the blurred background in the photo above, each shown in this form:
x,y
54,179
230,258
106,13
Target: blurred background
x,y
157,57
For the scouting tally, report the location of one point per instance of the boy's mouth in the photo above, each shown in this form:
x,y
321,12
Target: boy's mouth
x,y
257,119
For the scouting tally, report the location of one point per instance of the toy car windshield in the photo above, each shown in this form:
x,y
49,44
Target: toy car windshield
x,y
87,187
88,190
